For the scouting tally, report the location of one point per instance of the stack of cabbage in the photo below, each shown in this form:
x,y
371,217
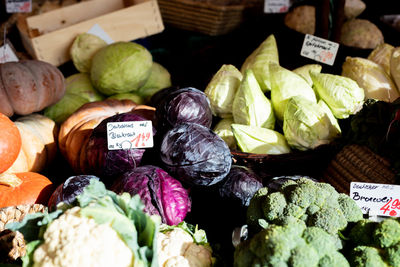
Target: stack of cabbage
x,y
304,102
379,74
122,70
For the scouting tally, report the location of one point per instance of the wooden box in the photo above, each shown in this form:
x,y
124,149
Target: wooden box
x,y
49,36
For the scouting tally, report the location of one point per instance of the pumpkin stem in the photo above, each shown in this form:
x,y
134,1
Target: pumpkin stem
x,y
10,179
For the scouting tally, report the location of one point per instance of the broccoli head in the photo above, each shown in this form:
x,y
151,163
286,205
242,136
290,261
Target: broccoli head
x,y
364,256
387,233
361,233
333,259
319,239
392,255
331,219
273,206
304,256
350,209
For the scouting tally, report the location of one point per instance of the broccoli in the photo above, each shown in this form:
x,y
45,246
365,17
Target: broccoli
x,y
393,255
361,233
364,256
331,219
304,256
274,205
387,233
319,239
254,210
349,207
333,259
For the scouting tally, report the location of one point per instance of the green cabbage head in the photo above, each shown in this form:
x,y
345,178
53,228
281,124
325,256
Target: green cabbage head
x,y
120,67
304,71
308,125
223,129
342,94
159,78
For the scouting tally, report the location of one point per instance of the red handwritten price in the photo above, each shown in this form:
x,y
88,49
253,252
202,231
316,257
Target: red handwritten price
x,y
326,56
141,138
392,207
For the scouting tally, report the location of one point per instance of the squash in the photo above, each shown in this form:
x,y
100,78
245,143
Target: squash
x,y
76,130
29,86
10,142
24,188
39,147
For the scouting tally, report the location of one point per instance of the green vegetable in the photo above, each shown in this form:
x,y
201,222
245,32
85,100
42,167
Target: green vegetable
x,y
159,79
251,106
304,71
363,256
120,67
130,96
223,129
286,84
259,140
307,125
221,90
343,96
381,55
83,49
259,59
370,76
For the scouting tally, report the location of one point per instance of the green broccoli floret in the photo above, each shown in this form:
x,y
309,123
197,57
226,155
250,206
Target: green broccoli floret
x,y
327,195
333,259
273,205
350,209
364,256
293,210
323,242
361,233
393,255
254,210
304,256
331,219
304,194
387,233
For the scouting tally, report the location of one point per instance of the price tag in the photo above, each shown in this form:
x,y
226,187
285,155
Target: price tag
x,y
98,31
7,54
276,6
319,49
377,199
18,6
129,134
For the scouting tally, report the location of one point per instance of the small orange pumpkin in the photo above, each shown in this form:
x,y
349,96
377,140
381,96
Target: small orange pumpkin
x,y
10,142
24,188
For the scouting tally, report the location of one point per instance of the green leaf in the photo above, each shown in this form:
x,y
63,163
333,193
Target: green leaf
x,y
27,260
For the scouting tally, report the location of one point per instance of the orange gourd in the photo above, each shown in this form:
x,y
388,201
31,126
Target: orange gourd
x,y
24,188
10,142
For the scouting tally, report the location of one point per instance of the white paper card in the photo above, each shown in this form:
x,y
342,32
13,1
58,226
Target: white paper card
x,y
377,199
18,6
319,49
129,134
98,31
7,54
276,6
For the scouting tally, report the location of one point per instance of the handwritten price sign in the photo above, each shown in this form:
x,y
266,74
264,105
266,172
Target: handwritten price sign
x,y
18,6
7,54
129,134
319,49
377,199
276,6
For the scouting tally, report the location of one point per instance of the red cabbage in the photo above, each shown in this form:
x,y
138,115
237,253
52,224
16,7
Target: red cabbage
x,y
161,194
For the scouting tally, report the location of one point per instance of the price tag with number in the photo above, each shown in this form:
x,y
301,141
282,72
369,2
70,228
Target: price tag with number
x,y
319,49
276,6
18,6
129,134
377,199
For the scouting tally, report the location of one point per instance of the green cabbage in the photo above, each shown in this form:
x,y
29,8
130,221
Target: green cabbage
x,y
252,139
308,125
381,55
250,105
342,94
130,96
221,90
284,85
395,66
120,68
159,79
304,71
259,59
223,130
370,76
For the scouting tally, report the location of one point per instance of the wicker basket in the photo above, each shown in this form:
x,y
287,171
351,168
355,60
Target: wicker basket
x,y
356,163
203,17
12,244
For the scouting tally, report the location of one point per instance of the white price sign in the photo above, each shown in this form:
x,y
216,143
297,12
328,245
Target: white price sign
x,y
18,6
319,49
377,199
7,54
129,134
276,6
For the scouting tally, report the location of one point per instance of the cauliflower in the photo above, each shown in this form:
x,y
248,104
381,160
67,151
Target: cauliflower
x,y
176,247
98,244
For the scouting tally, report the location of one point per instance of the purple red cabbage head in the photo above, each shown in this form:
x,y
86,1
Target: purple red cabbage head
x,y
161,193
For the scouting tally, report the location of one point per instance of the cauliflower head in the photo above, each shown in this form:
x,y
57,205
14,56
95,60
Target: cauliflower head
x,y
74,240
177,248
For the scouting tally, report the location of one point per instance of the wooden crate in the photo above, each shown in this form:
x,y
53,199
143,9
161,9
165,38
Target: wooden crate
x,y
48,36
203,17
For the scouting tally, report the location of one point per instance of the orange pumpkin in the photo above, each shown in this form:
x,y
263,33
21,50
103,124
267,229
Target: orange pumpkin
x,y
74,132
24,188
10,142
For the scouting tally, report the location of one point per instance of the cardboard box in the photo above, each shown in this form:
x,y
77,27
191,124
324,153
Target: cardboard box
x,y
49,36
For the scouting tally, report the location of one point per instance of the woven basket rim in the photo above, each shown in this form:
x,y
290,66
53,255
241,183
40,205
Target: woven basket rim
x,y
202,5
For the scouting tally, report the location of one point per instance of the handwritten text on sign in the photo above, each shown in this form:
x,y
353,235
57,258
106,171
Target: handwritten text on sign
x,y
18,6
7,54
129,134
276,6
377,199
319,49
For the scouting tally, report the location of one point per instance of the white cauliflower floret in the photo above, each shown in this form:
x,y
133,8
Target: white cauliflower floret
x,y
72,240
177,248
